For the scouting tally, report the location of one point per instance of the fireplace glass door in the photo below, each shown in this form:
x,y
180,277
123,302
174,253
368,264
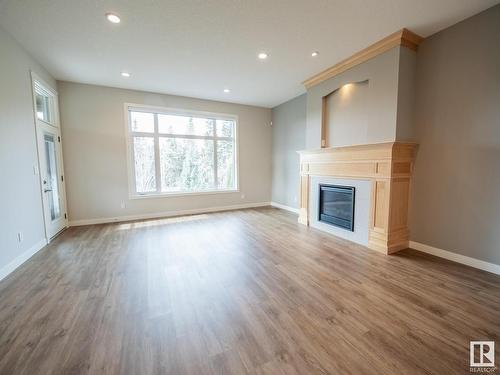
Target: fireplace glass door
x,y
336,206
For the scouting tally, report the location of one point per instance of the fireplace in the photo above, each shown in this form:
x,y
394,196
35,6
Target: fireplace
x,y
380,174
336,206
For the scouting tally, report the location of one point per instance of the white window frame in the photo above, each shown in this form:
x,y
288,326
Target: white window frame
x,y
39,86
133,194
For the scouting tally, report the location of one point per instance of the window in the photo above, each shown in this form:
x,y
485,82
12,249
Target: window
x,y
44,102
173,151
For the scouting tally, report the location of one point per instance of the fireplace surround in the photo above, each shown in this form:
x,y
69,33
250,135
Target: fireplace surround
x,y
386,166
376,157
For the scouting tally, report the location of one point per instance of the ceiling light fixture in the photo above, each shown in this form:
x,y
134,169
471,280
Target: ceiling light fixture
x,y
125,74
113,18
262,55
315,53
227,91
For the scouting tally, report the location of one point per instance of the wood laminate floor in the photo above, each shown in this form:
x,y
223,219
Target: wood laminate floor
x,y
241,292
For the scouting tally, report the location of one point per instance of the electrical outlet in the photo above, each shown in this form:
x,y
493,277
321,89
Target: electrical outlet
x,y
35,170
242,196
122,204
295,199
19,236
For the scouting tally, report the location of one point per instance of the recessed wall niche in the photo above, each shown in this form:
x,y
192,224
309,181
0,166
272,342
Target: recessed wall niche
x,y
345,115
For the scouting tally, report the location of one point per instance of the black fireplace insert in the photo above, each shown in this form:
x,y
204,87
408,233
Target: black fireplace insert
x,y
336,205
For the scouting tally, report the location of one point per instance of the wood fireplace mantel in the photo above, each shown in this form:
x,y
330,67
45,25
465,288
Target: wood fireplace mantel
x,y
388,166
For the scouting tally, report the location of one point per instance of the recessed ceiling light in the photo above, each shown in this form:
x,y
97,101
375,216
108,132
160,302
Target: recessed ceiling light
x,y
113,18
315,53
125,74
227,91
262,55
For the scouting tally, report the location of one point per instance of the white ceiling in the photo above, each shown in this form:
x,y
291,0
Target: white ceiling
x,y
197,48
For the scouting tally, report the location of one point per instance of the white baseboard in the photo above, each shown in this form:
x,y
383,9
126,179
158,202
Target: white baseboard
x,y
11,267
283,207
468,261
158,215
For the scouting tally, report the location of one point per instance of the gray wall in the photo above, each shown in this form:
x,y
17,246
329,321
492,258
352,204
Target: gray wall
x,y
289,127
405,127
382,75
95,161
456,187
20,200
348,120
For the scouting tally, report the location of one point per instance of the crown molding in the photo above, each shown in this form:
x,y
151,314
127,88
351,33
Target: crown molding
x,y
403,37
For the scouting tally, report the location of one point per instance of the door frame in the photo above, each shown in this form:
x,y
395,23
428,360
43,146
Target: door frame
x,y
55,125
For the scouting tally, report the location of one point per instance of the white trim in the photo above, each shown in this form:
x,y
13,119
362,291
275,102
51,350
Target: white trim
x,y
158,215
19,260
468,261
181,194
284,207
46,86
178,111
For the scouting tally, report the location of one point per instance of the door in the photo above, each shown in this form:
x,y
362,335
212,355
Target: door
x,y
49,158
51,176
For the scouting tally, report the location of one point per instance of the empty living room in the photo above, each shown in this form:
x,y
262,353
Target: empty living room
x,y
249,187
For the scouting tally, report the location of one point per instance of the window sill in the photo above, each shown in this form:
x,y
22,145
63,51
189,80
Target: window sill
x,y
180,194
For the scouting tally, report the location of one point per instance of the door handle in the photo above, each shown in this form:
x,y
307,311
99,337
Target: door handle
x,y
46,190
